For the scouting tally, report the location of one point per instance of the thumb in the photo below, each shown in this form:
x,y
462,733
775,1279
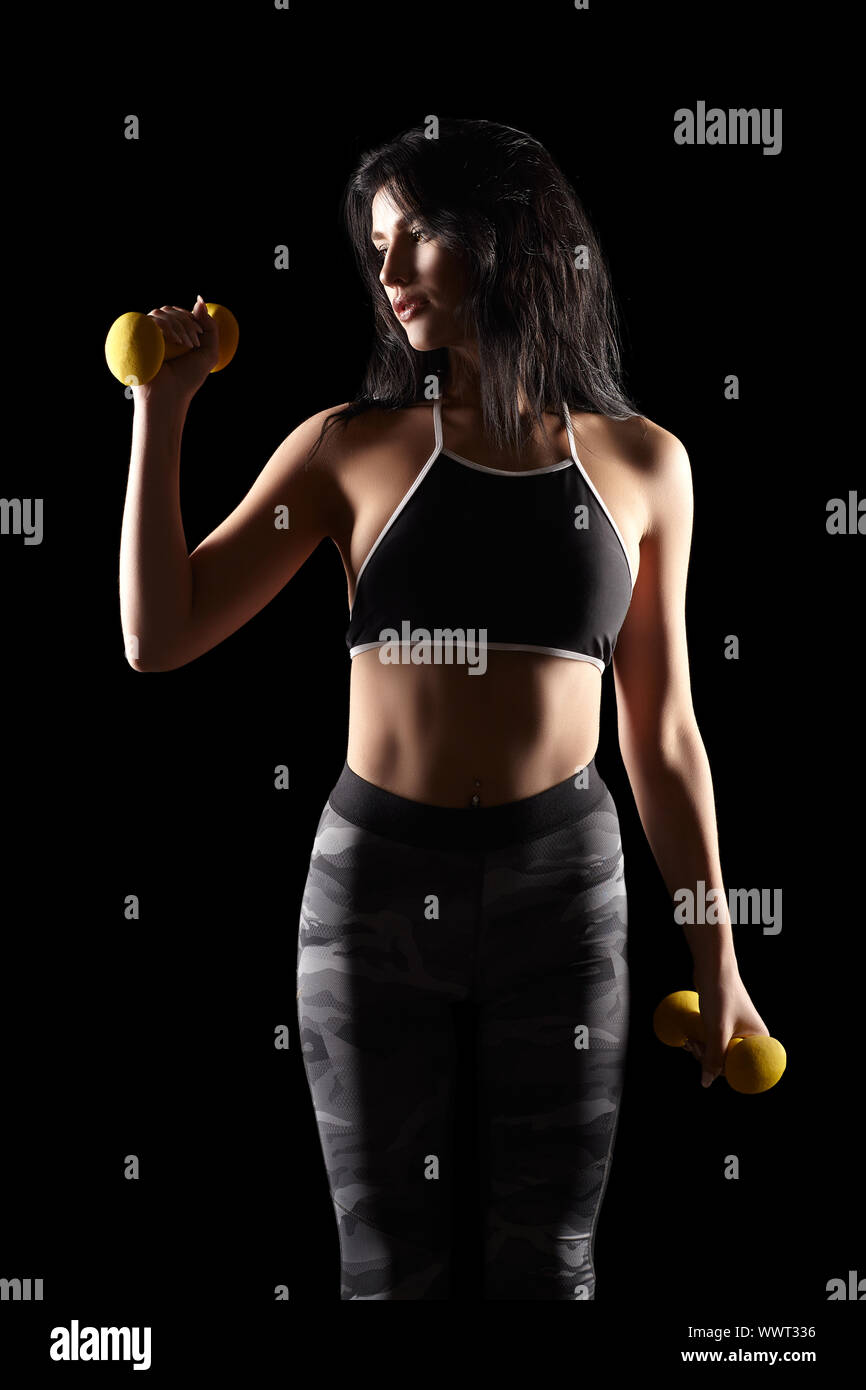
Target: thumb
x,y
199,312
713,1059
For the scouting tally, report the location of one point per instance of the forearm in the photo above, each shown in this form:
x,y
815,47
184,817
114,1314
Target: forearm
x,y
155,569
673,792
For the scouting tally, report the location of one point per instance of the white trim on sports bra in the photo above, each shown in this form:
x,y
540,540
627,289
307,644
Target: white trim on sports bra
x,y
495,646
549,468
601,502
438,449
396,512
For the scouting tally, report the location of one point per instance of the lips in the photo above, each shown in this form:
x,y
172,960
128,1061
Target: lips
x,y
404,302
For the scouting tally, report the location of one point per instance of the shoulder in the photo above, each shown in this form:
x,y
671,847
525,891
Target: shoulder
x,y
643,444
659,459
349,458
344,440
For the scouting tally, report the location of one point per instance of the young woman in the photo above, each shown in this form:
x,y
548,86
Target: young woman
x,y
507,521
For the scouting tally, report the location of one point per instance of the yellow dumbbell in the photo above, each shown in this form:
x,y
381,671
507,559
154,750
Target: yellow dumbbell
x,y
752,1064
135,348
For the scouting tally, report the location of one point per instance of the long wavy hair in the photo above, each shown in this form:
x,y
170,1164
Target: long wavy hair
x,y
539,294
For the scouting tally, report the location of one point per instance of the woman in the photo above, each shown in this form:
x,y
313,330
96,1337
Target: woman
x,y
505,519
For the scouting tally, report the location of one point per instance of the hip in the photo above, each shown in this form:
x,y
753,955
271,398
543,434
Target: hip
x,y
464,902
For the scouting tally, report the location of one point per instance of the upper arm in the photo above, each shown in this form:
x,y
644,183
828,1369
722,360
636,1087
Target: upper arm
x,y
255,551
650,664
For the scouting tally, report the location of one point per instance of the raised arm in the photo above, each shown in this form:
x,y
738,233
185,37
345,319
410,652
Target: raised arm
x,y
175,606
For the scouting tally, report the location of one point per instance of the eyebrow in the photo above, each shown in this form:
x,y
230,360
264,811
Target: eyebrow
x,y
401,222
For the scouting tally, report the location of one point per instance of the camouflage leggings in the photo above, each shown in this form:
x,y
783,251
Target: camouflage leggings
x,y
519,910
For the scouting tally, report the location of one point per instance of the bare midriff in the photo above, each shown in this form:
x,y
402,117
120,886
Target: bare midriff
x,y
438,734
433,732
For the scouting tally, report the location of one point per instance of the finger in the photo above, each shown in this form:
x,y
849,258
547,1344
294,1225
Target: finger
x,y
168,325
191,327
713,1058
187,327
184,328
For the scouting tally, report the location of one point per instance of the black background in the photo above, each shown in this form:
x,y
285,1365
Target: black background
x,y
155,1037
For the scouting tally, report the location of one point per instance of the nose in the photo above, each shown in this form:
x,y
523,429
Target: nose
x,y
392,274
391,280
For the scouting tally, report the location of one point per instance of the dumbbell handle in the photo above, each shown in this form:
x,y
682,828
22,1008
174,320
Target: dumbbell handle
x,y
137,346
173,349
677,1021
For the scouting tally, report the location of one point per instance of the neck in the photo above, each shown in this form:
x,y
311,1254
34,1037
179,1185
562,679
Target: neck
x,y
464,378
464,382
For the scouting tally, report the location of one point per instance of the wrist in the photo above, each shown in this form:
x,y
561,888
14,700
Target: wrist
x,y
718,963
158,406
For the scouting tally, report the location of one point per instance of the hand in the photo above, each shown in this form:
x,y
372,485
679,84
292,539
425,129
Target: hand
x,y
727,1012
178,379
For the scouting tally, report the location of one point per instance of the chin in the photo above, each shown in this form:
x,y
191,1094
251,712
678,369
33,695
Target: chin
x,y
423,342
423,339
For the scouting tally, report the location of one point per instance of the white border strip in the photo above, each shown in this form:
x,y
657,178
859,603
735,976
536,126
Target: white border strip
x,y
510,472
495,646
597,494
400,505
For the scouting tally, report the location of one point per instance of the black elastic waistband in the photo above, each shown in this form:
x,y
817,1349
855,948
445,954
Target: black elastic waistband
x,y
468,828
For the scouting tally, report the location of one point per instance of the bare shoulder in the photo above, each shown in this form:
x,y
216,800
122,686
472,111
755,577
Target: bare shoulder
x,y
330,440
373,446
376,426
345,441
642,444
657,460
359,458
320,445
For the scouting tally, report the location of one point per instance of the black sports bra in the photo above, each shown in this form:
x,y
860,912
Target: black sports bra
x,y
523,561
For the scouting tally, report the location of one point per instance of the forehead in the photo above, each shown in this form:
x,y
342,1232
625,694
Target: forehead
x,y
384,212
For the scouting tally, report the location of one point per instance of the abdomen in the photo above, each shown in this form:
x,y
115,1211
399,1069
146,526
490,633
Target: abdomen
x,y
429,731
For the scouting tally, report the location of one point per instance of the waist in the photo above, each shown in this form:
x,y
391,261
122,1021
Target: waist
x,y
428,733
471,828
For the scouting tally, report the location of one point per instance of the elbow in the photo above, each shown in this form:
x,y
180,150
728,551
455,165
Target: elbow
x,y
148,660
655,730
152,666
140,666
659,744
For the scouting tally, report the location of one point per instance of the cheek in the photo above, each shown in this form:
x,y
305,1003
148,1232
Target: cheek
x,y
443,272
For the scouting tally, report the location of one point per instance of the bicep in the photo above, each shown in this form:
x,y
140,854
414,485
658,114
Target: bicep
x,y
255,551
651,668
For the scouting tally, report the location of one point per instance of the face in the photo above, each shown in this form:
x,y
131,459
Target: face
x,y
414,268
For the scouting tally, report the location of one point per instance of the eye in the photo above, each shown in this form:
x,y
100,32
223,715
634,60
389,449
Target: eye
x,y
380,251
